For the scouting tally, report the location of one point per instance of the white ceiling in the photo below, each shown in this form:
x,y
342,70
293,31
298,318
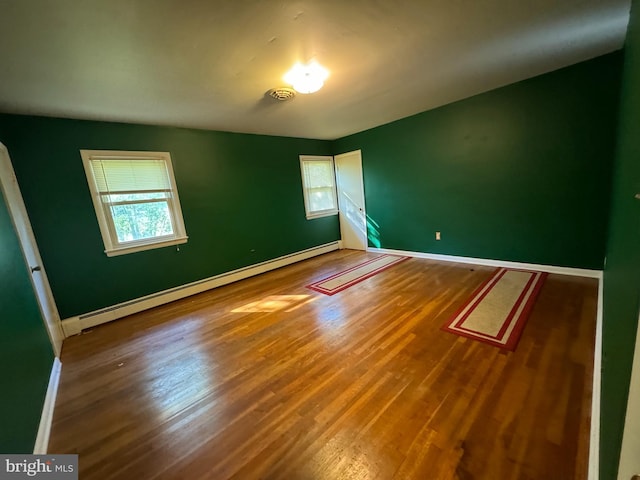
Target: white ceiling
x,y
208,63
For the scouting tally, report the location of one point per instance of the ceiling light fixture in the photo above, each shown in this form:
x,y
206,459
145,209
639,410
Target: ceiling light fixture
x,y
307,78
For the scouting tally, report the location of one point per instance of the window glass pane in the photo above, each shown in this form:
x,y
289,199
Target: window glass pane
x,y
319,174
321,199
141,221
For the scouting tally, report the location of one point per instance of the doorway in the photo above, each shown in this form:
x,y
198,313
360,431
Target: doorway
x,y
629,460
17,210
350,189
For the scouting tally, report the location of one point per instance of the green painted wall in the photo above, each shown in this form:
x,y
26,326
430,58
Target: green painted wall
x,y
25,352
520,173
622,272
241,197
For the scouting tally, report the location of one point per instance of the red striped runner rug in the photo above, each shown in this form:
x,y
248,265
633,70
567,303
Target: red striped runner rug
x,y
498,310
345,279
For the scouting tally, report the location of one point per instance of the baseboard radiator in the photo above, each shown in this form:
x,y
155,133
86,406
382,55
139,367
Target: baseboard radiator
x,y
74,325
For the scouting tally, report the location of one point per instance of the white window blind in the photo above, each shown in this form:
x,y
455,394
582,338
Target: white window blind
x,y
130,175
319,185
135,198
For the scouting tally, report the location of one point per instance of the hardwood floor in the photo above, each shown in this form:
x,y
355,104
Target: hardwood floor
x,y
267,379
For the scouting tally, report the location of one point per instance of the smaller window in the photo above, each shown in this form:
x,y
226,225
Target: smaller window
x,y
135,198
319,186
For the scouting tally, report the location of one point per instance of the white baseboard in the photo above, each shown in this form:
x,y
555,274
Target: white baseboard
x,y
71,326
46,419
74,325
594,437
577,272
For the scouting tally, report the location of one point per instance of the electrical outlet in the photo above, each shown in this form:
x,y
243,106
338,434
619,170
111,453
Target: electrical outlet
x,y
437,235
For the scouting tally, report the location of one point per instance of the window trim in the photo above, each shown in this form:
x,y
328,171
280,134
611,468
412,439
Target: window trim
x,y
105,221
306,189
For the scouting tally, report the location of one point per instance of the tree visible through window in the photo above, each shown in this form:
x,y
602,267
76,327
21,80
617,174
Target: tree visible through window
x,y
138,216
135,198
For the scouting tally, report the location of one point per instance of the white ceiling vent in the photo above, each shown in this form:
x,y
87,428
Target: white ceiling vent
x,y
282,93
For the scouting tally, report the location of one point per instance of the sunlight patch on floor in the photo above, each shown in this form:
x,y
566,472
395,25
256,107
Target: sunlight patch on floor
x,y
275,303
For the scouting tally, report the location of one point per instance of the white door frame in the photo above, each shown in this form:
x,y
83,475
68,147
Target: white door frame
x,y
353,236
18,212
629,460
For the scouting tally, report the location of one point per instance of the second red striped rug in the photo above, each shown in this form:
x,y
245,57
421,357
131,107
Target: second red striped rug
x,y
498,310
340,281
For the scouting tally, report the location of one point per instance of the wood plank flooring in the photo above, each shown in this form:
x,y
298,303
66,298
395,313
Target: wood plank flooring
x,y
267,379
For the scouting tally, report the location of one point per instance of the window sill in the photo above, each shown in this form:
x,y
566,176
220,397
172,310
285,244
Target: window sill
x,y
114,252
328,213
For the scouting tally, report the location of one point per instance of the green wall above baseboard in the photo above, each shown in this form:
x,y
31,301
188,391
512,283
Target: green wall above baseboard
x,y
521,173
241,197
622,272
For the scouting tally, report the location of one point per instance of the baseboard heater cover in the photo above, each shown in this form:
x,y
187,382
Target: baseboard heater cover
x,y
74,325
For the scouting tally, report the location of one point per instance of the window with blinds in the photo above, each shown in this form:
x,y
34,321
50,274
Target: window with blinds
x,y
135,198
319,186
